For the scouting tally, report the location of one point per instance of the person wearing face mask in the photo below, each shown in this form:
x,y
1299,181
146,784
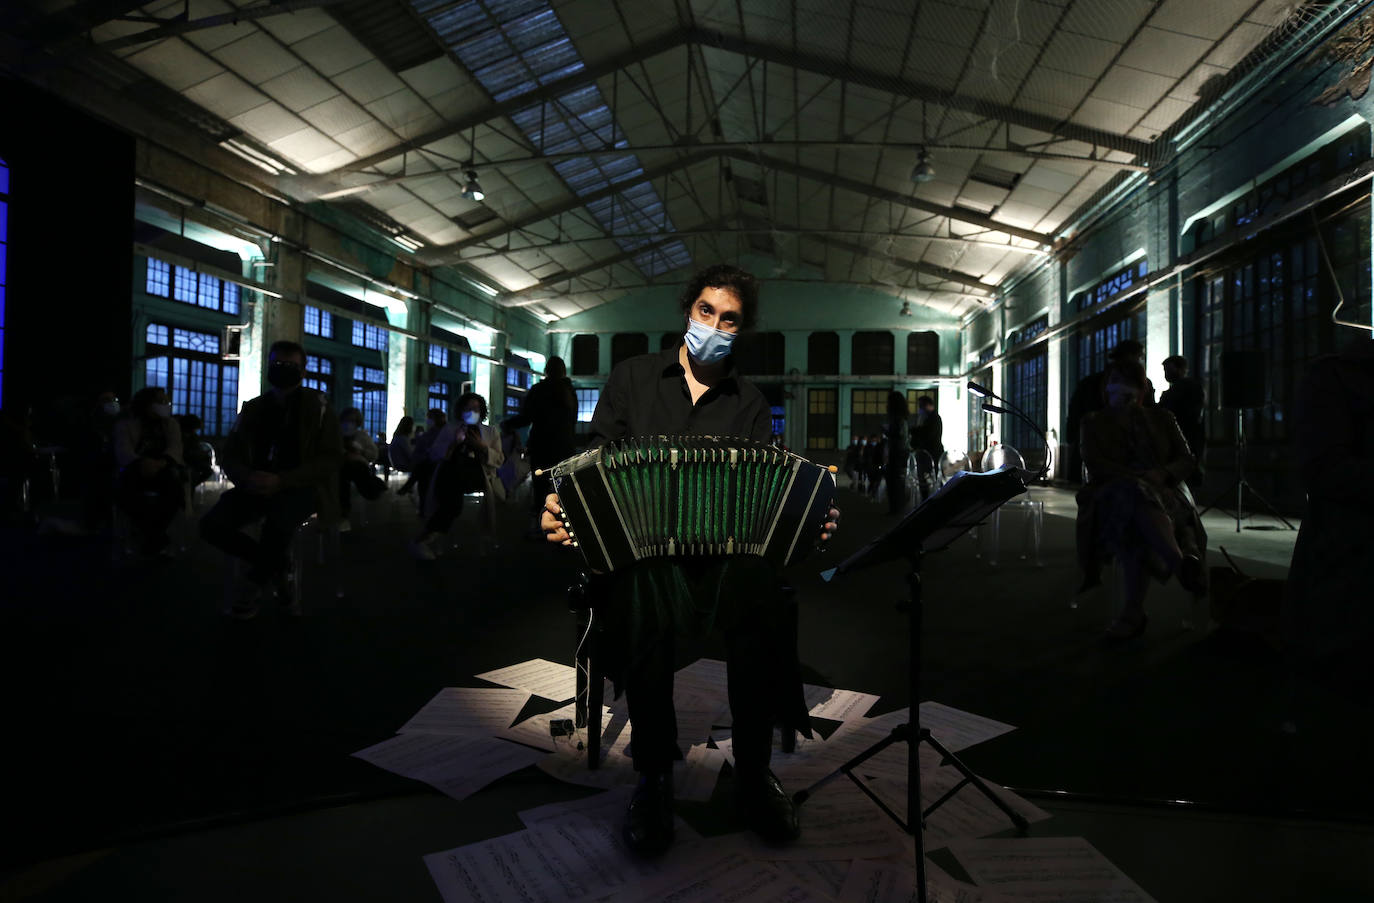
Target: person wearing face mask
x,y
150,486
853,458
1135,506
359,454
283,457
465,454
694,389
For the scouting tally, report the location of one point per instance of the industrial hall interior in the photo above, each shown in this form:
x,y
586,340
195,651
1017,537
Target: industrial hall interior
x,y
698,450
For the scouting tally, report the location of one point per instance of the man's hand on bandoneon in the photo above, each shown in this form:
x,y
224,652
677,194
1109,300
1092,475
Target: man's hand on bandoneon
x,y
551,523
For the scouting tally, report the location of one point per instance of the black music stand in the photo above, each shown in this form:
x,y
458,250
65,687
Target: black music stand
x,y
959,505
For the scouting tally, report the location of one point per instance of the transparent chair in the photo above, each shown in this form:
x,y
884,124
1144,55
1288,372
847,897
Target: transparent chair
x,y
1031,510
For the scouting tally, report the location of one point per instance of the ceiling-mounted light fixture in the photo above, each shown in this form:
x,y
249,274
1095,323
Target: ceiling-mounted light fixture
x,y
922,171
906,309
472,191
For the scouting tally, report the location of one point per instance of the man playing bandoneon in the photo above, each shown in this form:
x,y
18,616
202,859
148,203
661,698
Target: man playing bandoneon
x,y
694,389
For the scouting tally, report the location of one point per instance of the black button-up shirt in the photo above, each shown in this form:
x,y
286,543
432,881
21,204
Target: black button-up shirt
x,y
647,395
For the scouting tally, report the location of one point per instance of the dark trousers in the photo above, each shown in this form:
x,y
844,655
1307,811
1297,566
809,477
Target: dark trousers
x,y
151,502
452,478
741,597
356,473
281,514
895,474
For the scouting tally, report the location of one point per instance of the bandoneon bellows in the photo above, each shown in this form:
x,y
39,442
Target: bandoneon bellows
x,y
696,495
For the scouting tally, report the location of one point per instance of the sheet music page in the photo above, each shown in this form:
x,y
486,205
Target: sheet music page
x,y
609,807
704,680
838,822
965,815
696,779
1047,869
957,729
467,710
871,881
837,705
534,731
718,871
457,766
825,877
573,859
539,676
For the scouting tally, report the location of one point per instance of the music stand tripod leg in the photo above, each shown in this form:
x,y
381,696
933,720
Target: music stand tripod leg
x,y
949,758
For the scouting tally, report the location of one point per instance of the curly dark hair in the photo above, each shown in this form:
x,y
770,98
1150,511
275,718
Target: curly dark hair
x,y
729,277
462,402
1126,370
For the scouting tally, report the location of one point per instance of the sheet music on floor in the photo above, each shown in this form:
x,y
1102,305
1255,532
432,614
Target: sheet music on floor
x,y
1047,870
838,822
467,710
965,815
719,871
534,731
539,676
608,806
836,705
957,729
871,881
457,766
571,859
704,679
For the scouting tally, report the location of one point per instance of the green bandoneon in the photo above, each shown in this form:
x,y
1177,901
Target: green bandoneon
x,y
668,496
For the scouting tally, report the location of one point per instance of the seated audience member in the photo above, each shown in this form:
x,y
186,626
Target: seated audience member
x,y
359,454
197,453
466,455
95,455
400,450
422,466
283,457
1135,506
150,486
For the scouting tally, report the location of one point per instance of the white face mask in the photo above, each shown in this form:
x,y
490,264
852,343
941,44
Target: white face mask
x,y
472,418
111,408
162,410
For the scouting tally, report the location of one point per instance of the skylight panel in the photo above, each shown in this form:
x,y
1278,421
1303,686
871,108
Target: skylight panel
x,y
511,47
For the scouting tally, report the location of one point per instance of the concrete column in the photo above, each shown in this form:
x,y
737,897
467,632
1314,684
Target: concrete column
x,y
844,409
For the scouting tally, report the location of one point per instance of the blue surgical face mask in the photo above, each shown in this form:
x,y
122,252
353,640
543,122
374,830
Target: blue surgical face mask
x,y
707,345
472,418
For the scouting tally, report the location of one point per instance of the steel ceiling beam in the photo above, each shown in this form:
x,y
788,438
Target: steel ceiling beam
x,y
972,217
544,284
780,55
451,253
180,25
916,266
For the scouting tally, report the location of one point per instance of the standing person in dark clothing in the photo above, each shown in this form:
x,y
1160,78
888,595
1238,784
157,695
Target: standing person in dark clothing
x,y
928,437
283,457
1087,398
550,411
693,389
423,467
1186,400
873,464
897,445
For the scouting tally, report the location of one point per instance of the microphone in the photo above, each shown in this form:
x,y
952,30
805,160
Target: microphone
x,y
1006,407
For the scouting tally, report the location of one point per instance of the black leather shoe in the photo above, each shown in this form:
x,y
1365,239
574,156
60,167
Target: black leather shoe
x,y
765,807
649,823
